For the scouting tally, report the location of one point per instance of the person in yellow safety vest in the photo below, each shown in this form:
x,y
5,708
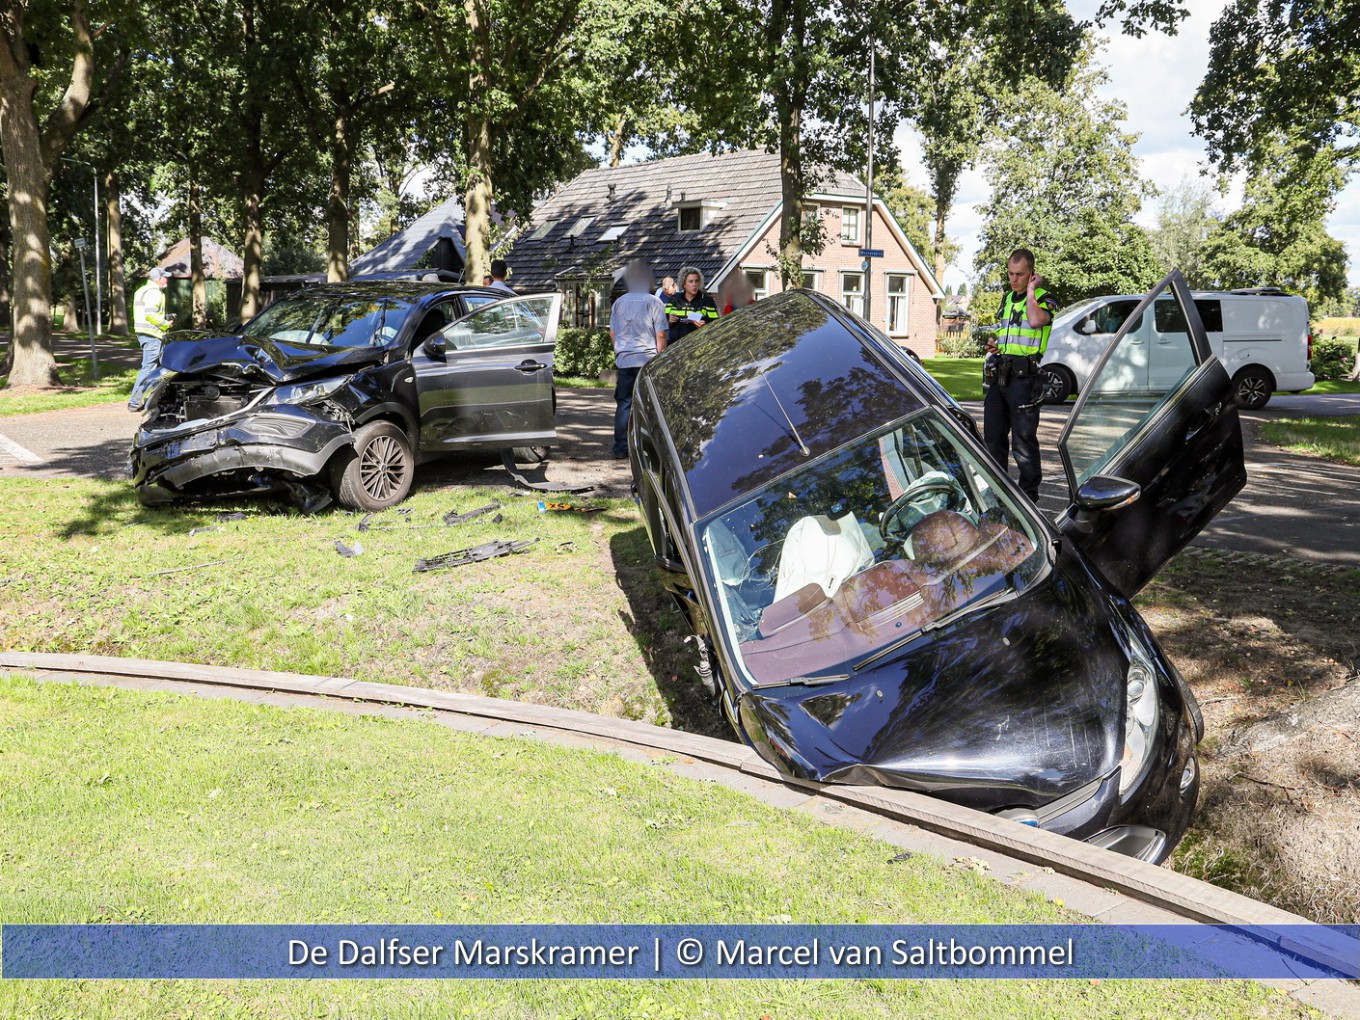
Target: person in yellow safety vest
x,y
149,322
1010,410
690,307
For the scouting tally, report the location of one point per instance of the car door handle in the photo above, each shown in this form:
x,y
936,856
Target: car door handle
x,y
1207,418
529,366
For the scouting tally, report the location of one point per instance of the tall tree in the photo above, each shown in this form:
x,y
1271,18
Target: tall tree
x,y
1277,237
35,127
917,214
1065,184
1284,67
1185,219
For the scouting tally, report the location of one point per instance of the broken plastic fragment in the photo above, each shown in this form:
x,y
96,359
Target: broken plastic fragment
x,y
508,460
235,515
199,531
485,551
344,550
454,517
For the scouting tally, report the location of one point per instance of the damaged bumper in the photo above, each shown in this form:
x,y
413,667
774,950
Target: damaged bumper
x,y
262,451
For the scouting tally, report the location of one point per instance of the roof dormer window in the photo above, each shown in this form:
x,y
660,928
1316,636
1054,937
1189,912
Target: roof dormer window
x,y
695,214
613,233
542,230
579,227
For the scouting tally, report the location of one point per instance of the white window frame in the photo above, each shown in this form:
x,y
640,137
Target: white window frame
x,y
816,275
695,210
898,303
850,213
853,299
763,291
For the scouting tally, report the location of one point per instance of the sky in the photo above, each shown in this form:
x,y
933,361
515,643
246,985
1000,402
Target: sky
x,y
1155,77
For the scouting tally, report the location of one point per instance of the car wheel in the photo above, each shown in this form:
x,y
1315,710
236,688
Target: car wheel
x,y
1058,383
1252,388
530,454
377,472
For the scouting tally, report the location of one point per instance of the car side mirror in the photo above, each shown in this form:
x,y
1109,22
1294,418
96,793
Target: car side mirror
x,y
1088,326
436,346
1100,494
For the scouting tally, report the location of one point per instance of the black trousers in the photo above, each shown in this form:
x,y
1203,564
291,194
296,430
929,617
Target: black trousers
x,y
1010,425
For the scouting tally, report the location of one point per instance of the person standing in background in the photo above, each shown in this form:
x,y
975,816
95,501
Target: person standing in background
x,y
149,322
689,308
637,327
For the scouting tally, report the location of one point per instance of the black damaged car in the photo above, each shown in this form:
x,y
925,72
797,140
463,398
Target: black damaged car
x,y
338,391
877,603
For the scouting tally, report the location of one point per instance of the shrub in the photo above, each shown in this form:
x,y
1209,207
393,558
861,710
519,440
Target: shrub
x,y
962,345
582,352
1332,359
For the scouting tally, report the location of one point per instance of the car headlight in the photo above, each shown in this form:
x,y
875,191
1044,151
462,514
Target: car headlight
x,y
306,392
1142,709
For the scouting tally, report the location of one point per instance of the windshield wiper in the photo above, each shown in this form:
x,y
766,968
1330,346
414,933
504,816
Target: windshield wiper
x,y
806,681
1004,595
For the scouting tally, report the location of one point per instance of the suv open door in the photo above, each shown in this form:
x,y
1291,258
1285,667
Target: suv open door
x,y
1149,463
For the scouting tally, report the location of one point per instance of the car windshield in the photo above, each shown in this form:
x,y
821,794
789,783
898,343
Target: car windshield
x,y
829,567
1072,313
330,321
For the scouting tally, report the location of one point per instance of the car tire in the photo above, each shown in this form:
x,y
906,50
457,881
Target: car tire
x,y
530,454
1252,387
377,472
1058,383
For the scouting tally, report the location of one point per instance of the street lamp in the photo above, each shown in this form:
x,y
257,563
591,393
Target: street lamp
x,y
98,261
81,245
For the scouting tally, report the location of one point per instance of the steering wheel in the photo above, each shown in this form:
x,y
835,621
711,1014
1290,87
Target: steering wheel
x,y
928,487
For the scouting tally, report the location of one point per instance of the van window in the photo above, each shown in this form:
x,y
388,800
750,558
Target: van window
x,y
1108,318
1211,314
1170,318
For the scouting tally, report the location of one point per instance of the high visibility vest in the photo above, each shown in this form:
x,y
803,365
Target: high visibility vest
x,y
1016,335
148,311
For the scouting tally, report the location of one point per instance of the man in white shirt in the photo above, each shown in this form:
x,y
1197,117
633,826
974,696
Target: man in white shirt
x,y
638,328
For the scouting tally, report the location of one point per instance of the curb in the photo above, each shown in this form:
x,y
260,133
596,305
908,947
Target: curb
x,y
1154,894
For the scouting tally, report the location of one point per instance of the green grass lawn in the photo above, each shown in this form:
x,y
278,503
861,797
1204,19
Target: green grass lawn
x,y
962,377
132,807
576,621
1332,438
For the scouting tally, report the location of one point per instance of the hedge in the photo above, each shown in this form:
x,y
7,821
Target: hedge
x,y
1332,359
583,353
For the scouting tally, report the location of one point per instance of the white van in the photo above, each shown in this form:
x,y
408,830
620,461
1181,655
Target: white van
x,y
1261,336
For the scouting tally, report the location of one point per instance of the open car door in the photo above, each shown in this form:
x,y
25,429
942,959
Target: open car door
x,y
487,378
1150,459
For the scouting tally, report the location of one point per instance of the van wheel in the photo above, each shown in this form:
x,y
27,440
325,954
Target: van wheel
x,y
1058,383
377,472
1252,388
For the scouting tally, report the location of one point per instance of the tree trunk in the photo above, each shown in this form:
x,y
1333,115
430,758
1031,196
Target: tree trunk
x,y
31,343
252,255
199,287
252,182
790,96
4,279
616,140
337,203
113,215
477,193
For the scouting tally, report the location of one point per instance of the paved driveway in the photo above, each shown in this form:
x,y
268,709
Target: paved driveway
x,y
1291,504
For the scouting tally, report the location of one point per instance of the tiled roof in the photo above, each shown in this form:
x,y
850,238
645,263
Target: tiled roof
x,y
219,263
640,198
405,248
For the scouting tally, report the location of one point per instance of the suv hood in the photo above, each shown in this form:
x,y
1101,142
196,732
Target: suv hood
x,y
248,357
1014,705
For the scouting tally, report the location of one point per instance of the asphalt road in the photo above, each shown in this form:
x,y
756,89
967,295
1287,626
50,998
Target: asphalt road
x,y
1291,504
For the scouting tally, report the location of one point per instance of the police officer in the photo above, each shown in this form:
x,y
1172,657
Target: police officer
x,y
690,307
149,322
1010,412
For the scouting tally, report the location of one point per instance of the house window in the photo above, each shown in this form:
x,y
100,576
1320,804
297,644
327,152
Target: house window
x,y
852,292
691,219
899,303
542,230
759,283
579,227
810,278
613,233
849,225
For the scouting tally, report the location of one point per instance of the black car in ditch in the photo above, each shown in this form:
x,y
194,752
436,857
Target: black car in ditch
x,y
876,602
338,391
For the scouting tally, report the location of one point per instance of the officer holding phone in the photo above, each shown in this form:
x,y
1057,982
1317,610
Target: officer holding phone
x,y
1010,411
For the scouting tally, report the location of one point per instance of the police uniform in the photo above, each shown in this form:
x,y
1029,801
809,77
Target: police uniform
x,y
149,322
1010,411
684,308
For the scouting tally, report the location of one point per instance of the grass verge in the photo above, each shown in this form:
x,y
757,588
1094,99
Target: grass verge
x,y
79,390
1335,439
576,621
962,377
132,807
